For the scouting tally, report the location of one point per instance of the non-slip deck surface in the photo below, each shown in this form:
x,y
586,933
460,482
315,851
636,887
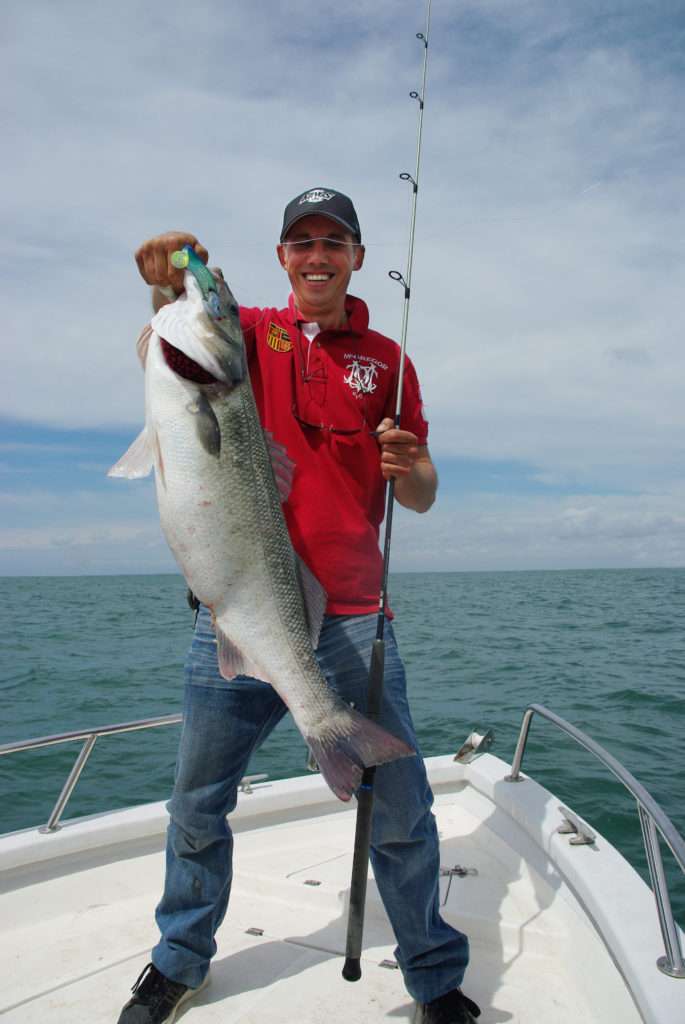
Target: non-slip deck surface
x,y
73,943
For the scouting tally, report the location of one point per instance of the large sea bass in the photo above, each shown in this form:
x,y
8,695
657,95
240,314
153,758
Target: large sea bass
x,y
220,483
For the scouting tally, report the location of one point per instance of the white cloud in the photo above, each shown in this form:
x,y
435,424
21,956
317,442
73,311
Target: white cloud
x,y
143,534
546,316
495,531
103,545
477,532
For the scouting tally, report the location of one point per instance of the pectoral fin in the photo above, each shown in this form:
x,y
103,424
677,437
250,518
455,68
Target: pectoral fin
x,y
137,461
143,344
206,425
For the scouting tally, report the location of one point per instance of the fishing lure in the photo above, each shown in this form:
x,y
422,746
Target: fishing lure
x,y
218,302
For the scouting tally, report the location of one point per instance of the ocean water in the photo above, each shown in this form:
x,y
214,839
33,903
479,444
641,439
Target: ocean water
x,y
603,648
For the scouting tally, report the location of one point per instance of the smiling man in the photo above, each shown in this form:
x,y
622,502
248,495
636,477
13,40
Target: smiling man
x,y
325,386
319,259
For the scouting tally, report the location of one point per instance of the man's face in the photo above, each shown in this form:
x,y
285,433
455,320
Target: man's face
x,y
319,256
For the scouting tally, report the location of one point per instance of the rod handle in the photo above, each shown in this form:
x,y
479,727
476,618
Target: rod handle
x,y
360,874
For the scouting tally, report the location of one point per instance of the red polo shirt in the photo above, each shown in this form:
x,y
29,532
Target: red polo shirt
x,y
321,401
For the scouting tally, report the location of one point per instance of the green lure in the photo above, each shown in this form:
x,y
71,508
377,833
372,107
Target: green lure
x,y
216,304
187,259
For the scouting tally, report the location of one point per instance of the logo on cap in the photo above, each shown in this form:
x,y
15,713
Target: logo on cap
x,y
316,195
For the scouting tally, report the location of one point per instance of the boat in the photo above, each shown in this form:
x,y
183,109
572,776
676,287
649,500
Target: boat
x,y
561,927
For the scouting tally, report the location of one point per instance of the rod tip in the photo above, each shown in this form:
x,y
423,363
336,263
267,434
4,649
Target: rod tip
x,y
352,971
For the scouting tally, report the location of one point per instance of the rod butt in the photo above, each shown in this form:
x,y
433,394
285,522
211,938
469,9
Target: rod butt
x,y
352,970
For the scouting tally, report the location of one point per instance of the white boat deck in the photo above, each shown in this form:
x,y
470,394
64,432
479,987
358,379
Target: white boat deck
x,y
78,914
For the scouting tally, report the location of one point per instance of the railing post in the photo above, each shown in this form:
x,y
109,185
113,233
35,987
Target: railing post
x,y
515,775
68,787
672,963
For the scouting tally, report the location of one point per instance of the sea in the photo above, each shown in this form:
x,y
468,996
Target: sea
x,y
604,649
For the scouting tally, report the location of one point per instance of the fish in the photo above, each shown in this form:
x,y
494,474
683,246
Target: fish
x,y
220,483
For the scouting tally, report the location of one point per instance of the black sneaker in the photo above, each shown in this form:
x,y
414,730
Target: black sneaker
x,y
452,1008
156,998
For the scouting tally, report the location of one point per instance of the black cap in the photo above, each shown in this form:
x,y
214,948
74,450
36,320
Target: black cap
x,y
326,202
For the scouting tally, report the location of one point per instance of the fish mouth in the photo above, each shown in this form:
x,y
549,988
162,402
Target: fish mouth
x,y
183,366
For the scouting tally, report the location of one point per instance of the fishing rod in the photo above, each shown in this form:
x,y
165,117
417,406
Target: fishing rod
x,y
362,837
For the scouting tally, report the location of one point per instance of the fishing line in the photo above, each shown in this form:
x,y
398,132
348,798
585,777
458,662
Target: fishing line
x,y
362,839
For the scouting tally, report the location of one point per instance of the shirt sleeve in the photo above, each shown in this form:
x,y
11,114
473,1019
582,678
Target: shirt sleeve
x,y
250,316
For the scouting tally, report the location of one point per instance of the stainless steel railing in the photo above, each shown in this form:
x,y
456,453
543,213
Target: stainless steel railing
x,y
653,820
90,736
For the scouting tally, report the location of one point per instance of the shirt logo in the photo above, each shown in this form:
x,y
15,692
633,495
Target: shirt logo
x,y
361,377
316,195
278,339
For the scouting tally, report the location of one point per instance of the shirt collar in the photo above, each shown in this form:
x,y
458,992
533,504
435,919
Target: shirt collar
x,y
356,309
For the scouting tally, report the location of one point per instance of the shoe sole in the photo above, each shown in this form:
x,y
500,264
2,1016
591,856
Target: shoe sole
x,y
185,998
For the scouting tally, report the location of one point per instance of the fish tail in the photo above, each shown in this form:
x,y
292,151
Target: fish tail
x,y
345,749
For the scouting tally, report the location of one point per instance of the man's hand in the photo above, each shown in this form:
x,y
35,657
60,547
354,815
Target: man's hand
x,y
154,259
409,463
399,449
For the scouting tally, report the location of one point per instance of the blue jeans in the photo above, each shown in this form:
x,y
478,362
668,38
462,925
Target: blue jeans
x,y
224,722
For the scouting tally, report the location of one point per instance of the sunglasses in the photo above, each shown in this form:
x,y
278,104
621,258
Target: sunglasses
x,y
329,244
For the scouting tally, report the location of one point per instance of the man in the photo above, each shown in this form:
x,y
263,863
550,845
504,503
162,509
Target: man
x,y
325,388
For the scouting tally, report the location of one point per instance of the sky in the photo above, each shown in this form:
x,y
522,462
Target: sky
x,y
546,318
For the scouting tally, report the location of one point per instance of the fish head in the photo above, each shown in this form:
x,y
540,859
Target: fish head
x,y
201,335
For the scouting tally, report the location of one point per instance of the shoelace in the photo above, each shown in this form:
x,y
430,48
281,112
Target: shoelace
x,y
136,983
154,986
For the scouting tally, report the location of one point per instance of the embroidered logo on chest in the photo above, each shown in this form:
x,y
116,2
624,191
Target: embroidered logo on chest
x,y
362,373
278,339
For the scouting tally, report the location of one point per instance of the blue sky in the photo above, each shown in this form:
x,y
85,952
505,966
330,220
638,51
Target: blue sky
x,y
546,318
